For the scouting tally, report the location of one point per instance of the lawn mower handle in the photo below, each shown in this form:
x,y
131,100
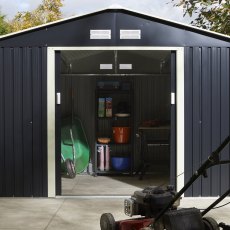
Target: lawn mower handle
x,y
216,202
212,160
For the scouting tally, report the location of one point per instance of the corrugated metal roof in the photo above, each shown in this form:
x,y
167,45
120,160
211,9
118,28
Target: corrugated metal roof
x,y
115,8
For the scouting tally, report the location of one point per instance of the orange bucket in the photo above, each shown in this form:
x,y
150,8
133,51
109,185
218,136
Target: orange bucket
x,y
121,135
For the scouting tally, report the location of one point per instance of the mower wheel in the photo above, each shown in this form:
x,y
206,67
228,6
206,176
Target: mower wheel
x,y
210,223
70,168
107,222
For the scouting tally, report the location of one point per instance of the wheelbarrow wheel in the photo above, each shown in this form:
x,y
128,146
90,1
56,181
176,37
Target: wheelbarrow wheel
x,y
107,222
70,168
210,223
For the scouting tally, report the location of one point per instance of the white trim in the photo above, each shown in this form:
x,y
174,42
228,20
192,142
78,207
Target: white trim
x,y
121,8
159,48
51,107
51,122
180,117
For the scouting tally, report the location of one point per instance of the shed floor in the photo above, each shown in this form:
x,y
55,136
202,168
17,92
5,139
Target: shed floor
x,y
110,185
76,213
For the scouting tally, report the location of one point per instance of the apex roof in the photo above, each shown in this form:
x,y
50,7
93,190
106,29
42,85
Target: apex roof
x,y
118,8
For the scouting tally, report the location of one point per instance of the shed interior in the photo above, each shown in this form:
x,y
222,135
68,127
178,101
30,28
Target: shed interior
x,y
138,80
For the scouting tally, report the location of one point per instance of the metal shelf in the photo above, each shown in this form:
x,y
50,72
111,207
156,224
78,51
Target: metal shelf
x,y
103,125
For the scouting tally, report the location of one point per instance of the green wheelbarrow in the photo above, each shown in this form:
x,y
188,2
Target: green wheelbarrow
x,y
75,149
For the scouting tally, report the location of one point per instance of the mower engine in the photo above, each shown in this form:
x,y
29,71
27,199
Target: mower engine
x,y
150,201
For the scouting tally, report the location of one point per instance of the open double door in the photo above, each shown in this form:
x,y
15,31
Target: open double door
x,y
85,67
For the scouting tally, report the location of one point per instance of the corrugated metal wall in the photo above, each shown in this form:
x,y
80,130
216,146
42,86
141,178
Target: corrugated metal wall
x,y
23,126
23,130
206,116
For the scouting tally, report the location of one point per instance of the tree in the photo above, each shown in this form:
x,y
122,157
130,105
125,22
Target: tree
x,y
4,26
209,14
48,11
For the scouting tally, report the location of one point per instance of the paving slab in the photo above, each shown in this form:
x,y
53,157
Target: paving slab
x,y
30,213
78,213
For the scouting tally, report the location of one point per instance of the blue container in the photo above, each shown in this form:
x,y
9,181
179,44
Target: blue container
x,y
120,163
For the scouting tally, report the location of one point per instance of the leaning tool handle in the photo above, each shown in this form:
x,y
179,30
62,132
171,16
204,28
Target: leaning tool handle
x,y
74,152
212,160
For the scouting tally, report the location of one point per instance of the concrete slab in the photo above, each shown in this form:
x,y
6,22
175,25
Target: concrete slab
x,y
108,185
28,213
77,213
85,213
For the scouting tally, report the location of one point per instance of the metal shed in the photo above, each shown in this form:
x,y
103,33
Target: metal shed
x,y
30,117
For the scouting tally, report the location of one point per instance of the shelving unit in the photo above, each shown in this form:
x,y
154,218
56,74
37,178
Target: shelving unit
x,y
120,99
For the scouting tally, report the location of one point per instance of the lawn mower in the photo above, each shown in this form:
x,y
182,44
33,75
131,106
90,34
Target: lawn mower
x,y
158,206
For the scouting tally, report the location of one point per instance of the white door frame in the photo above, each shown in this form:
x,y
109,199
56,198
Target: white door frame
x,y
51,100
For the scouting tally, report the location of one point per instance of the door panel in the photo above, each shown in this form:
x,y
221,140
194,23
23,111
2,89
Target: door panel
x,y
58,122
173,122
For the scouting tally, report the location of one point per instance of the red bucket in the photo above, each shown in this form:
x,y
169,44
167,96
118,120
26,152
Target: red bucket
x,y
121,135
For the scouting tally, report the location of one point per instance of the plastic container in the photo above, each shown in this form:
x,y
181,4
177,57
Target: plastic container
x,y
120,163
121,135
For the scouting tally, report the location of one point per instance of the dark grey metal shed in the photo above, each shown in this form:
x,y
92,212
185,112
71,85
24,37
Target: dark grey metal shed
x,y
28,164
